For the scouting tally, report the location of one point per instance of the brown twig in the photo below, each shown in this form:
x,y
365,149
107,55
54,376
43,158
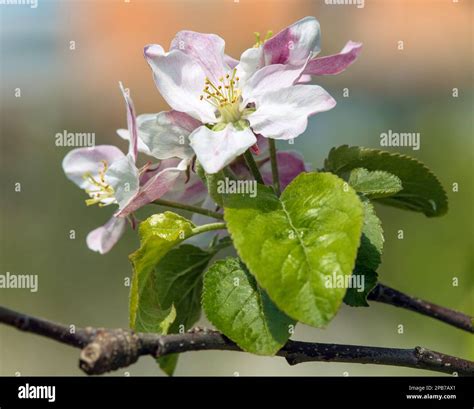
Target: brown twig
x,y
387,295
105,350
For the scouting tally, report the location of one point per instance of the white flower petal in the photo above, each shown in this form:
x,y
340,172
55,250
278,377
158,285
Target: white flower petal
x,y
283,114
81,161
230,61
180,80
271,78
124,134
123,176
132,124
251,61
105,237
206,49
166,134
215,150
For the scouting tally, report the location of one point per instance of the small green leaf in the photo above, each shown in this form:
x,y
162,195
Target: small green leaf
x,y
292,245
374,184
212,183
167,283
158,234
241,310
168,363
356,298
422,191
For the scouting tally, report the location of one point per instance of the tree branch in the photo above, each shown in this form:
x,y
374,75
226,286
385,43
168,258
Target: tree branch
x,y
387,295
105,350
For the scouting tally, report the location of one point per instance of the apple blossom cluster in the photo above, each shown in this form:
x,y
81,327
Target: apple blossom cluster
x,y
220,108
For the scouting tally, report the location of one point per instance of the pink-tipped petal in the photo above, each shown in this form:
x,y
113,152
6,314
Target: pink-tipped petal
x,y
294,44
290,165
155,187
186,190
180,80
206,49
283,114
334,64
82,161
132,124
105,237
216,149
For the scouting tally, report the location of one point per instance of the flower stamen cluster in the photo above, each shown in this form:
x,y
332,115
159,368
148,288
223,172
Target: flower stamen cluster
x,y
102,191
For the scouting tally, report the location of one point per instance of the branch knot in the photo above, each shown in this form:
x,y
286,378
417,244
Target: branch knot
x,y
108,350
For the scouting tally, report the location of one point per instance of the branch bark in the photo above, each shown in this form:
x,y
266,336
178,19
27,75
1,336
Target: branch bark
x,y
387,295
104,350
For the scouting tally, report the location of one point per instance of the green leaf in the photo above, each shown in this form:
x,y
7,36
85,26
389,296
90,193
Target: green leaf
x,y
168,320
422,191
374,184
368,258
292,244
212,183
158,234
168,363
355,297
167,284
178,279
241,310
371,244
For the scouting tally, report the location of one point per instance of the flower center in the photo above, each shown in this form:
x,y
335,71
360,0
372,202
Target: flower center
x,y
224,96
101,192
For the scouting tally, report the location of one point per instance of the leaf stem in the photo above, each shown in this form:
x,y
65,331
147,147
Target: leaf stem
x,y
253,167
274,163
208,227
189,208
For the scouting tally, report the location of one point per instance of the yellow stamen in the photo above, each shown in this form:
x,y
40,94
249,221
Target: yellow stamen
x,y
258,39
101,189
224,95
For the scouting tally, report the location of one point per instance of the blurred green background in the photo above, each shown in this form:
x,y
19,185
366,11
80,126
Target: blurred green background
x,y
407,90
